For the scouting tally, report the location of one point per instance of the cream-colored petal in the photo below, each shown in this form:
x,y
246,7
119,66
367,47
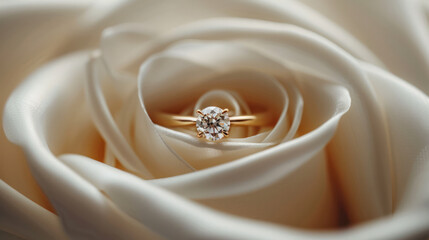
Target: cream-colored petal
x,y
160,17
22,217
157,209
395,31
406,109
43,98
106,124
23,48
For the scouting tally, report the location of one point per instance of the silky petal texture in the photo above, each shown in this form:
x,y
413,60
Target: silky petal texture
x,y
226,188
155,208
408,162
152,13
107,126
22,217
201,74
326,130
47,165
409,142
395,31
275,10
360,232
65,190
23,48
166,167
275,42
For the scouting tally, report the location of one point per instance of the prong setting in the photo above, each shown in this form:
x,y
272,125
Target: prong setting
x,y
213,123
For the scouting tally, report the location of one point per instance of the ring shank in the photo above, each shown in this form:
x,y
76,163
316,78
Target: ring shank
x,y
171,120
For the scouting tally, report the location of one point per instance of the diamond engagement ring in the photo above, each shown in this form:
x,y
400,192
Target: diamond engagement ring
x,y
212,123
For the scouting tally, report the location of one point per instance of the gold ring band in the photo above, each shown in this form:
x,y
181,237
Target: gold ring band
x,y
171,120
213,123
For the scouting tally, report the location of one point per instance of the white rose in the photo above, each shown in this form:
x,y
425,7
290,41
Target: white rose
x,y
349,152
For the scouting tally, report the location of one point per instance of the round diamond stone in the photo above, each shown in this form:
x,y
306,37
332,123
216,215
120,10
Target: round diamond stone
x,y
213,123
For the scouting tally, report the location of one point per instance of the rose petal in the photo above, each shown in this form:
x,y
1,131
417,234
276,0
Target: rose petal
x,y
157,208
178,13
42,99
106,124
406,110
398,37
23,48
21,216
